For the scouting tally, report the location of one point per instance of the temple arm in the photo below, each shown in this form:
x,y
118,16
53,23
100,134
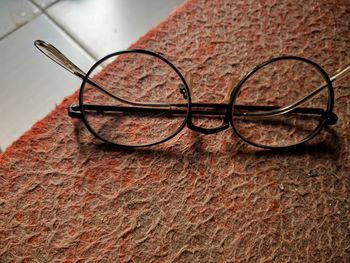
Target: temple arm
x,y
54,54
338,75
57,56
201,109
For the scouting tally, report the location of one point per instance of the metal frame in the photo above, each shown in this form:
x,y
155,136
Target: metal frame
x,y
329,118
226,110
139,51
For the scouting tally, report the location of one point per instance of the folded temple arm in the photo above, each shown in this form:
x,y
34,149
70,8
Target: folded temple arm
x,y
199,109
209,109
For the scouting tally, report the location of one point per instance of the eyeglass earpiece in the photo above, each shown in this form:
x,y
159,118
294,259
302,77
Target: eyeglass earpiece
x,y
341,72
56,55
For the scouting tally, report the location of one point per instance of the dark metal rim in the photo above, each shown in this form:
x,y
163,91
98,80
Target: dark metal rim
x,y
136,51
330,103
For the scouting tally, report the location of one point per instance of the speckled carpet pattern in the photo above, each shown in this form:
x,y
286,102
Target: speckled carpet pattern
x,y
67,197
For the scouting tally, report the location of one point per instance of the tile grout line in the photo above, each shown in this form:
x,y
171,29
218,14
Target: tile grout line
x,y
12,31
46,7
75,40
20,26
31,19
72,37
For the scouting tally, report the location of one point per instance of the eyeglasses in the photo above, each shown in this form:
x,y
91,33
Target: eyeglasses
x,y
136,98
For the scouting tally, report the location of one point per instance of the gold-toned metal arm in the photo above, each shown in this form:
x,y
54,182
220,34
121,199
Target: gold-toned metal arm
x,y
57,56
54,54
341,73
338,75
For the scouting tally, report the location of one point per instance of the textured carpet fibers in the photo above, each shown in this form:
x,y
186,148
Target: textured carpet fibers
x,y
196,198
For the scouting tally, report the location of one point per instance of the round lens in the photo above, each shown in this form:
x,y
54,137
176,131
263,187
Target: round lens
x,y
274,107
134,98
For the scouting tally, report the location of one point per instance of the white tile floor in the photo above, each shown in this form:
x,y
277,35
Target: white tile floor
x,y
14,13
85,30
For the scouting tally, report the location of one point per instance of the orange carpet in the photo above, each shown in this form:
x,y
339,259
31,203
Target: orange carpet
x,y
66,197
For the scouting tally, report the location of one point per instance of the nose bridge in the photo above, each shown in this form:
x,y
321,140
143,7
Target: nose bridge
x,y
222,127
211,109
208,110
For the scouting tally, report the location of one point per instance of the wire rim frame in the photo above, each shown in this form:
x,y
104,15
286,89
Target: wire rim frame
x,y
321,125
230,106
134,51
77,111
